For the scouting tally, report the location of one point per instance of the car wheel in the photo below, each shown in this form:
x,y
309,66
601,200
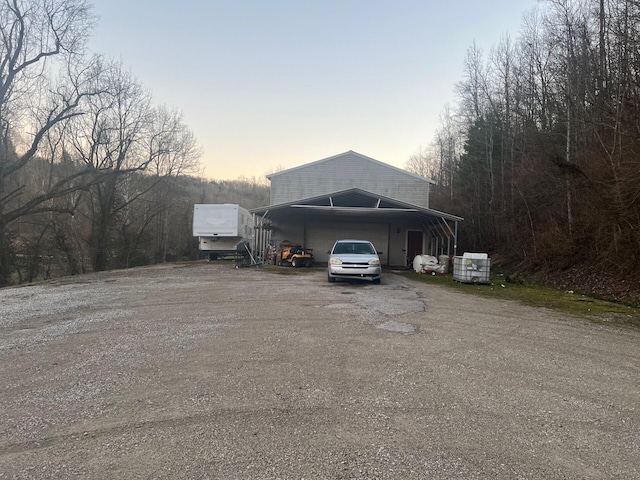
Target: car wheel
x,y
330,278
294,262
377,281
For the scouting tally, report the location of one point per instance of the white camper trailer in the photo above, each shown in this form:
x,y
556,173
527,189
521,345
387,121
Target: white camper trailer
x,y
222,229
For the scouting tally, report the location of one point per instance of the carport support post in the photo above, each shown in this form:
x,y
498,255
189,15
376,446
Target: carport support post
x,y
260,238
255,241
455,240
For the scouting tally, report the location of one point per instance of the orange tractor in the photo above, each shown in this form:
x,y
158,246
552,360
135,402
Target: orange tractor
x,y
294,255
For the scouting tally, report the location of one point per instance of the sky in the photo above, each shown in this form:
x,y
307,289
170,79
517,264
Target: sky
x,y
272,84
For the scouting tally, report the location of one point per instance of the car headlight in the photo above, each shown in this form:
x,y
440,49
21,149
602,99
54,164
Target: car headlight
x,y
374,261
335,261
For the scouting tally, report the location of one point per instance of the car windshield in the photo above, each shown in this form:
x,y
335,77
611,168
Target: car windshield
x,y
358,248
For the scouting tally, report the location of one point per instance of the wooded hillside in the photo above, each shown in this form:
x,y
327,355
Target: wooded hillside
x,y
541,151
93,175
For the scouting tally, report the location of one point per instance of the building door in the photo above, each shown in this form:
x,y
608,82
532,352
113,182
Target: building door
x,y
414,244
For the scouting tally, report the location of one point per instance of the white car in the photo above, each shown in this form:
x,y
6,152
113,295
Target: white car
x,y
356,259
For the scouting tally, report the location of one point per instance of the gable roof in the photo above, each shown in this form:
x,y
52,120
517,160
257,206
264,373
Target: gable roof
x,y
351,152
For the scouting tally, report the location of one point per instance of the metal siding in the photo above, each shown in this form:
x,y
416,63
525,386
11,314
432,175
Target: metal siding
x,y
322,235
293,233
345,172
397,244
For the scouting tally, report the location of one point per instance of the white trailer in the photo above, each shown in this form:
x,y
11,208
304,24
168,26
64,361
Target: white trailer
x,y
222,229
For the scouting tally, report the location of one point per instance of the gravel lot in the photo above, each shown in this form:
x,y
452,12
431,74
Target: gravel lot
x,y
207,371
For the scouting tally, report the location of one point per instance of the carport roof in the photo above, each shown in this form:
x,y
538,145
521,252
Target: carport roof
x,y
353,201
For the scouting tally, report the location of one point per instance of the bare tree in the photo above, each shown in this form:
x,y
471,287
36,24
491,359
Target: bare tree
x,y
472,89
449,140
173,151
43,80
120,136
422,163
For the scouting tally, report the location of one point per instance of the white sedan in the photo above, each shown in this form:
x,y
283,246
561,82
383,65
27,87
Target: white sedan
x,y
356,259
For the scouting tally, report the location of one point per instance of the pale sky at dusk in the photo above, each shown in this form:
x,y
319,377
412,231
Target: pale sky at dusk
x,y
269,84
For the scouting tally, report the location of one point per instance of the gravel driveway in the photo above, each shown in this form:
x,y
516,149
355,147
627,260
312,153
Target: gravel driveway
x,y
206,371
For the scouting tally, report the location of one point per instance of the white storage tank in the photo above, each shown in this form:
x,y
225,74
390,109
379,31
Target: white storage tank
x,y
472,268
427,264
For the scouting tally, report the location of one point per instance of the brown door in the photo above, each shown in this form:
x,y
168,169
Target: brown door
x,y
414,244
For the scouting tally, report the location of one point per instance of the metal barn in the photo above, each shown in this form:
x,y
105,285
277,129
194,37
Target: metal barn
x,y
354,196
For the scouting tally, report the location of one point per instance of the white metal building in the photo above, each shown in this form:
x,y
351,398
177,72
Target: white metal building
x,y
357,197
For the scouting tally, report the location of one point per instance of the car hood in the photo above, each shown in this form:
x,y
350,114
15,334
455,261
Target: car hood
x,y
354,258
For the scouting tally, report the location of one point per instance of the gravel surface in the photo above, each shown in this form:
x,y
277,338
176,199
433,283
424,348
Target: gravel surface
x,y
207,371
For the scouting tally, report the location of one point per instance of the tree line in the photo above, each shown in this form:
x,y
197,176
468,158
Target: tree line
x,y
93,174
541,151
